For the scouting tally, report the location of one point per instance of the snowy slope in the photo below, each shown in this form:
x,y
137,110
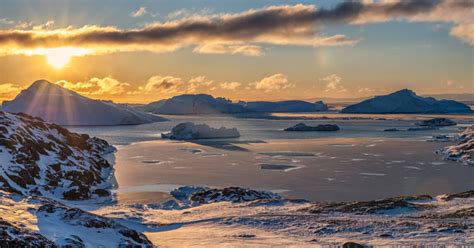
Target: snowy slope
x,y
406,101
55,104
42,222
39,158
269,221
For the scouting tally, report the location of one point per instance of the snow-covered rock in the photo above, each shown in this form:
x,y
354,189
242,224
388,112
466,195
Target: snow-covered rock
x,y
191,196
191,131
39,158
55,104
463,151
41,222
437,122
304,128
193,104
284,106
406,101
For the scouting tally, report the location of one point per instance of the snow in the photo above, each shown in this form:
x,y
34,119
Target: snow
x,y
55,104
38,158
398,221
406,101
191,131
463,151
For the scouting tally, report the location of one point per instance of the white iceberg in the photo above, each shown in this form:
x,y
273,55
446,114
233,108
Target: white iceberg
x,y
406,101
56,104
191,131
189,104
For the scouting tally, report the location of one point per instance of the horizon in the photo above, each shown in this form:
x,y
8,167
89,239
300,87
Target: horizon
x,y
144,51
313,99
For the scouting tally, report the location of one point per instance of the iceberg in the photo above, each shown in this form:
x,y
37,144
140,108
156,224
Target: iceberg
x,y
406,101
56,104
191,131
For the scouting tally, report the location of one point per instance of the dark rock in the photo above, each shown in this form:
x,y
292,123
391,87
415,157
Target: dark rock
x,y
352,245
370,207
437,122
305,128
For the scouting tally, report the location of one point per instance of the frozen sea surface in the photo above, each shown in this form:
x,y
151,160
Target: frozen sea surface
x,y
360,162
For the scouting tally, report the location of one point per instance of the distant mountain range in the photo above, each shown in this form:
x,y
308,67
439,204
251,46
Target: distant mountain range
x,y
56,104
465,97
207,104
406,101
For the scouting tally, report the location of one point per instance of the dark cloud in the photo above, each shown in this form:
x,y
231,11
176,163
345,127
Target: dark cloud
x,y
296,24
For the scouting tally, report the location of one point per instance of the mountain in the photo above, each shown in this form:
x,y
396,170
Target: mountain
x,y
40,158
207,104
284,106
55,104
406,101
193,104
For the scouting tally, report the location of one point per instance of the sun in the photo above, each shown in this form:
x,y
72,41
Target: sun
x,y
59,57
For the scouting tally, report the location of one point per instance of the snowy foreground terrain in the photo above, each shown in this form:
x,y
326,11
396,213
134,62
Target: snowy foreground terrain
x,y
55,191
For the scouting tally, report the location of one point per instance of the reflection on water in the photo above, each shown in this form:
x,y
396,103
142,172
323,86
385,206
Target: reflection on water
x,y
360,162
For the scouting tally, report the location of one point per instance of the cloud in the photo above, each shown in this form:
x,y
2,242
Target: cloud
x,y
464,32
8,91
139,12
230,85
167,84
333,83
247,50
365,90
282,25
196,82
274,82
174,85
97,86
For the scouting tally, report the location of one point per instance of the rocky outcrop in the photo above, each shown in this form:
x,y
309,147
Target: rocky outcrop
x,y
192,196
13,236
301,127
437,122
39,158
463,151
371,207
36,221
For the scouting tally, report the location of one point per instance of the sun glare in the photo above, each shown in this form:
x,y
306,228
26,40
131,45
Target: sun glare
x,y
59,57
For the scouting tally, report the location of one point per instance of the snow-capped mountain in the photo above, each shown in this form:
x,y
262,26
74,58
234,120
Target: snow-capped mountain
x,y
193,104
55,104
207,104
284,106
406,101
39,158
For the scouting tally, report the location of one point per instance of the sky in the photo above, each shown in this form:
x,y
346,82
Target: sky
x,y
142,51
